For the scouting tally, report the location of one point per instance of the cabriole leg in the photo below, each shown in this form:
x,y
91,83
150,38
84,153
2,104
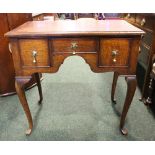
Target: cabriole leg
x,y
115,78
39,87
19,84
131,87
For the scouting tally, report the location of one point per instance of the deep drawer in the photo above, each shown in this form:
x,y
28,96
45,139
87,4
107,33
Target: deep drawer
x,y
34,52
114,52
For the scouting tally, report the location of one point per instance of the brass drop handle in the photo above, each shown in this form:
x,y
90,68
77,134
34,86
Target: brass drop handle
x,y
10,48
73,52
114,54
143,21
153,67
34,55
114,60
139,49
128,15
74,46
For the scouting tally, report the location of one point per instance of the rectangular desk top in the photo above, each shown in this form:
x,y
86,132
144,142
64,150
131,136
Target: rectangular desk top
x,y
75,27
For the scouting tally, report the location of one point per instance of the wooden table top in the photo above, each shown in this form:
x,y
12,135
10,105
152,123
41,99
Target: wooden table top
x,y
75,27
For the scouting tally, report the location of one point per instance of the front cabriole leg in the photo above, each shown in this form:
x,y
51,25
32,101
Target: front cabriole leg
x,y
131,87
19,84
39,87
115,78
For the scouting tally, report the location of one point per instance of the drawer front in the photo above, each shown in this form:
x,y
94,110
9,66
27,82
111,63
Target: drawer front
x,y
114,52
75,45
34,52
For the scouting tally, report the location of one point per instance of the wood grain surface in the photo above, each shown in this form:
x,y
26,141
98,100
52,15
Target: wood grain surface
x,y
75,27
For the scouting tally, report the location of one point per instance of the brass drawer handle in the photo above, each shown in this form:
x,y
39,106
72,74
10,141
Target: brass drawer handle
x,y
128,15
143,21
153,69
74,46
34,55
10,48
114,60
73,52
114,54
139,49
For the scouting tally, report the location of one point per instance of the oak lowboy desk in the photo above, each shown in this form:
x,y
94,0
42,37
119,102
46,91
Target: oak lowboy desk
x,y
106,45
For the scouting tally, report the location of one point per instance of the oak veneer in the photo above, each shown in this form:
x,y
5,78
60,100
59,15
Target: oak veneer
x,y
120,47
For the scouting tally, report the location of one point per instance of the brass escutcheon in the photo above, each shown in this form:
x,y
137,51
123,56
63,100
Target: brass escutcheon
x,y
74,45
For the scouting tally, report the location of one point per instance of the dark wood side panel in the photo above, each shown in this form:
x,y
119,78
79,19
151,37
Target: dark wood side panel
x,y
16,19
3,24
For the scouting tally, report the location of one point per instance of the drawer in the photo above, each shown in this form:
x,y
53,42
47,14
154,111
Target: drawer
x,y
114,52
34,52
75,45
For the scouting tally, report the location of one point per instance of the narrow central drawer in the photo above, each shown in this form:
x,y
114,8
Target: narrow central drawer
x,y
78,45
